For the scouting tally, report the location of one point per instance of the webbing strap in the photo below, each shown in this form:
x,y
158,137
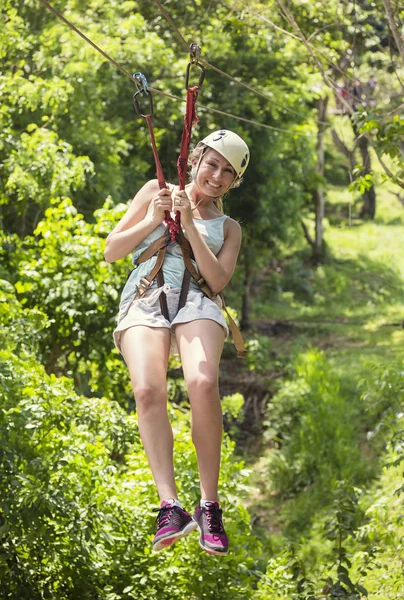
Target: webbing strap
x,y
190,119
159,168
163,297
235,331
151,250
146,282
184,290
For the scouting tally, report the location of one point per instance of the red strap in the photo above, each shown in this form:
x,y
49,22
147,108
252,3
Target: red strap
x,y
189,120
159,169
171,224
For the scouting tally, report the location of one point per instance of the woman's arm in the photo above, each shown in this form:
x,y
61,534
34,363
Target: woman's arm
x,y
216,270
145,213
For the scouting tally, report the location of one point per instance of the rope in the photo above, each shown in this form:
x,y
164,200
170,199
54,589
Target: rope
x,y
157,91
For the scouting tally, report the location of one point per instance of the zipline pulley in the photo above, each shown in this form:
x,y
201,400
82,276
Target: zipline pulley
x,y
142,88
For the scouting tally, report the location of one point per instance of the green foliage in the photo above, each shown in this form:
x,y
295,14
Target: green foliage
x,y
312,430
76,492
353,548
62,271
283,580
387,135
40,167
361,183
259,353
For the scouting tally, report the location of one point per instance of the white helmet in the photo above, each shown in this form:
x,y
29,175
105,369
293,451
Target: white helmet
x,y
232,147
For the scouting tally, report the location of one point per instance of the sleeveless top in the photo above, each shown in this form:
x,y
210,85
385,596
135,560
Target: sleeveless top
x,y
212,231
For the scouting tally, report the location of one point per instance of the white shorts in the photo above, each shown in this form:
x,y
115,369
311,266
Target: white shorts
x,y
147,311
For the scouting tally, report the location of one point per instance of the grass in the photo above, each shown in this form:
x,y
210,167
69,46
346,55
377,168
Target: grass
x,y
351,308
355,298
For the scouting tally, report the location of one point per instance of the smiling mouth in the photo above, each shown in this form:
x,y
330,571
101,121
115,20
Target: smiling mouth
x,y
216,186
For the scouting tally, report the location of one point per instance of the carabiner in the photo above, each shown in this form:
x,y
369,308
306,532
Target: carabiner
x,y
142,88
201,76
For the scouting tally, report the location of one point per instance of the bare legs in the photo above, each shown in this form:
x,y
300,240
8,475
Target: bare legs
x,y
146,351
200,344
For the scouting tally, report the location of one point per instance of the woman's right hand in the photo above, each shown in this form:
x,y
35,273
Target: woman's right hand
x,y
161,202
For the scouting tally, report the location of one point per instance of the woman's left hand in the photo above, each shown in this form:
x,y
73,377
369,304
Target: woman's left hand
x,y
182,204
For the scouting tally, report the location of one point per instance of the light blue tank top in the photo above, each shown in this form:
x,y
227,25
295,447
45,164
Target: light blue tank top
x,y
212,231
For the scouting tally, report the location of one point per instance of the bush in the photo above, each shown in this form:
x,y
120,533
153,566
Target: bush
x,y
76,492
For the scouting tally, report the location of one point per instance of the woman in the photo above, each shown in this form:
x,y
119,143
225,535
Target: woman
x,y
145,337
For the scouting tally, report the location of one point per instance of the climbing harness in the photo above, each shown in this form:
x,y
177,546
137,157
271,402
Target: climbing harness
x,y
174,232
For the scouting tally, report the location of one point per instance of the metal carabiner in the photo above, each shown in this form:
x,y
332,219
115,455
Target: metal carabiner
x,y
201,76
142,88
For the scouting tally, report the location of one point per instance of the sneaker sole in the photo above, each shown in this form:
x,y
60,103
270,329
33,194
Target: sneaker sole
x,y
171,538
211,550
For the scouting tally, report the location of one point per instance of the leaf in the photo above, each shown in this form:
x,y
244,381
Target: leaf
x,y
343,577
362,590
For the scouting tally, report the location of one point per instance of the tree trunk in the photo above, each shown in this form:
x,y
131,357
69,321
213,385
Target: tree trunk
x,y
318,195
369,197
245,322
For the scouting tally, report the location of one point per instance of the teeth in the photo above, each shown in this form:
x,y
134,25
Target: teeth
x,y
215,185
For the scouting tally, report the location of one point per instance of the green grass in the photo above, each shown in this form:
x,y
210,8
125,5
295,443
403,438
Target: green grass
x,y
352,301
351,308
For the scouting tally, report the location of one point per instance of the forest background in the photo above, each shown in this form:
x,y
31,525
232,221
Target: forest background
x,y
313,452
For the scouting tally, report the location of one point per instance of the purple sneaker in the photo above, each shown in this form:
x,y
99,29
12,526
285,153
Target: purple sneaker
x,y
173,523
213,538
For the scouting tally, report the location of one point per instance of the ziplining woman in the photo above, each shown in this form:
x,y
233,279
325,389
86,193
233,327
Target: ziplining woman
x,y
146,336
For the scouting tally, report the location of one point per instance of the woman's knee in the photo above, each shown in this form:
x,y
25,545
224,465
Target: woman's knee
x,y
149,396
203,384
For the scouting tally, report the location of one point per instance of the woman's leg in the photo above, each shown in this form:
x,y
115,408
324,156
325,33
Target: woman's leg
x,y
146,351
200,344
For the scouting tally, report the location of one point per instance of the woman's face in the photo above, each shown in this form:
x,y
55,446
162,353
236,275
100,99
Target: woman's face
x,y
215,175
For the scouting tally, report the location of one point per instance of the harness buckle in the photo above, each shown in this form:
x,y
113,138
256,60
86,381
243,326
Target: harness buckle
x,y
143,286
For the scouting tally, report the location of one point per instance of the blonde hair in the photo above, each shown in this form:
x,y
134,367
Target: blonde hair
x,y
196,155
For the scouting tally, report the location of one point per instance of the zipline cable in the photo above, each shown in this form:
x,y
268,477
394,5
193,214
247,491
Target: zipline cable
x,y
171,96
223,73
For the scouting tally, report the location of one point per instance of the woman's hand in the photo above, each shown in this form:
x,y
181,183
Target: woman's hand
x,y
182,204
161,202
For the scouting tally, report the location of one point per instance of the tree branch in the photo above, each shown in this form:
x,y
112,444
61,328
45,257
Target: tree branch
x,y
307,234
292,22
394,28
